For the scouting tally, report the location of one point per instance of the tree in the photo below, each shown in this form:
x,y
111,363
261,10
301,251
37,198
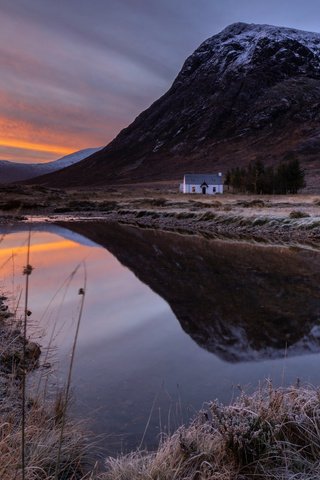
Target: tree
x,y
295,176
288,177
227,180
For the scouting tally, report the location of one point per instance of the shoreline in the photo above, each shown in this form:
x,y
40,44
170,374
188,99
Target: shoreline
x,y
280,219
282,231
265,434
40,431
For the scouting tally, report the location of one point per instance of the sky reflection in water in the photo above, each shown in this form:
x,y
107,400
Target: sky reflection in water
x,y
132,356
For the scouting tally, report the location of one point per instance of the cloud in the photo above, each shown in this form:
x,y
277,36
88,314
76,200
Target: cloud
x,y
75,73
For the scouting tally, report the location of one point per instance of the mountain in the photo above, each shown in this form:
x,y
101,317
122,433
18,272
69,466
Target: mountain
x,y
249,92
15,171
239,301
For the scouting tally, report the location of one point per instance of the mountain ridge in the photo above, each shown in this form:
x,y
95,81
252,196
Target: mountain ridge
x,y
17,171
250,92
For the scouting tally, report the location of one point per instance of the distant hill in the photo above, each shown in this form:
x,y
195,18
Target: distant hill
x,y
250,92
15,171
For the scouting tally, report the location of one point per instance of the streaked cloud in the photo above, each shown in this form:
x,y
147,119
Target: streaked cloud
x,y
74,73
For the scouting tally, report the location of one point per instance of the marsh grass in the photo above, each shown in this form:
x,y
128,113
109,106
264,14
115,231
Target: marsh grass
x,y
298,214
42,440
38,439
272,434
38,434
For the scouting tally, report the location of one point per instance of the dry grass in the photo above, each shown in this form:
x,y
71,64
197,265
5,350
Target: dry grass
x,y
42,439
43,418
273,434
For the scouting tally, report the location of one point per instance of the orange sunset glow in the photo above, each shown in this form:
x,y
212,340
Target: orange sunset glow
x,y
65,86
48,252
17,143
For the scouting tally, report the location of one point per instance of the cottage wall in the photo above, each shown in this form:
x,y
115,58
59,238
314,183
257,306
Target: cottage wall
x,y
193,188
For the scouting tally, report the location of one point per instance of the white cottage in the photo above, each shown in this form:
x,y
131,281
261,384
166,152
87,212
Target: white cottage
x,y
206,183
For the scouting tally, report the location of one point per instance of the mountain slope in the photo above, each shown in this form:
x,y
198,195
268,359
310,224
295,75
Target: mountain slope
x,y
252,91
15,171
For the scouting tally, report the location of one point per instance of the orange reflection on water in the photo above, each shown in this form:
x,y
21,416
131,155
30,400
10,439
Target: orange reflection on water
x,y
55,250
64,244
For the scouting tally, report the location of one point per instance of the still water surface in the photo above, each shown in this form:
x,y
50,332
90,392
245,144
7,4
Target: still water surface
x,y
136,358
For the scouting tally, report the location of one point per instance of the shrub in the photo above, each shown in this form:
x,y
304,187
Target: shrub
x,y
19,204
207,216
82,205
107,206
62,210
298,214
273,433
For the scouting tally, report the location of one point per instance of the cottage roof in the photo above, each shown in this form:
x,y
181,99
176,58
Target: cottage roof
x,y
199,178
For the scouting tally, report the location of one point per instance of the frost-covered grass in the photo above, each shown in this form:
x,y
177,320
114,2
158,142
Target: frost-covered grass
x,y
43,417
157,203
272,434
42,438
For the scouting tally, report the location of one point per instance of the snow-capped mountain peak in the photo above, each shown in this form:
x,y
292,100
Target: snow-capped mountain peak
x,y
240,47
251,91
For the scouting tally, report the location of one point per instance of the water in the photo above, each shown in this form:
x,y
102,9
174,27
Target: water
x,y
169,321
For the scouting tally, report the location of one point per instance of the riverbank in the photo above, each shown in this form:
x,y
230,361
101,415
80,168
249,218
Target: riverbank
x,y
273,219
273,433
270,434
43,417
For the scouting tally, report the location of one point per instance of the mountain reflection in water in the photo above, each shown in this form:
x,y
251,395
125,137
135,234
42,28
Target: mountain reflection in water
x,y
239,301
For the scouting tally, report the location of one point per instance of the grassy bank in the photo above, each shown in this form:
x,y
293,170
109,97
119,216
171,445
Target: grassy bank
x,y
284,219
274,433
43,417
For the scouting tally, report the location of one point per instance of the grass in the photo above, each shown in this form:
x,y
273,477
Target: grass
x,y
38,434
298,214
42,439
38,440
272,434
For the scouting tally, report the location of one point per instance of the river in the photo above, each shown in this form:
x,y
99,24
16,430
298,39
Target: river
x,y
169,322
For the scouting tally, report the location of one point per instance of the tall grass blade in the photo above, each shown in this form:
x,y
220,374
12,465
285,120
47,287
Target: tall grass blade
x,y
27,272
82,292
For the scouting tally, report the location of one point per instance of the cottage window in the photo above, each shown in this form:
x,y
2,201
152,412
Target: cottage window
x,y
193,189
214,189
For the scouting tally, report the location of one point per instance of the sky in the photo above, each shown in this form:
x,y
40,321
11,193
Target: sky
x,y
75,72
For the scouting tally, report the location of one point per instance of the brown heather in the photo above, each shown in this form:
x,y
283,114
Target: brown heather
x,y
272,434
42,428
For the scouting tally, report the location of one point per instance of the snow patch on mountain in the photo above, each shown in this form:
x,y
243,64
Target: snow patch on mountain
x,y
70,159
237,48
